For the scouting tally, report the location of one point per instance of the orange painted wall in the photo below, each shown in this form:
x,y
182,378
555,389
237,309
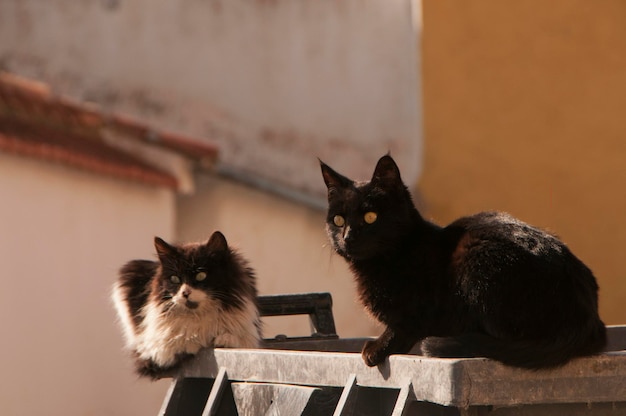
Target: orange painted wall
x,y
525,112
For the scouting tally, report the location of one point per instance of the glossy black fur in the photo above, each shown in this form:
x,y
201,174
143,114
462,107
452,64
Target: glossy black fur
x,y
486,285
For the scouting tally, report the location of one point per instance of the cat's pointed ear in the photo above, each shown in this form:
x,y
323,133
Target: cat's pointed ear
x,y
332,179
217,242
386,170
163,249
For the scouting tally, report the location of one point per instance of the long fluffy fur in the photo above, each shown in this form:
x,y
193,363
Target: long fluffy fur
x,y
160,330
167,334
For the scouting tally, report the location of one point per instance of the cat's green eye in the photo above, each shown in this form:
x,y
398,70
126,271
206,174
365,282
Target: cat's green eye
x,y
175,279
370,217
200,276
339,220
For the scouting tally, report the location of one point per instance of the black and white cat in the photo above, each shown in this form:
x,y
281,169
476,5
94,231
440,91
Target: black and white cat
x,y
486,285
197,295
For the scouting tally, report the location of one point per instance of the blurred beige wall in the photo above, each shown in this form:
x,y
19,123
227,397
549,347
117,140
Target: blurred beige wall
x,y
63,235
524,107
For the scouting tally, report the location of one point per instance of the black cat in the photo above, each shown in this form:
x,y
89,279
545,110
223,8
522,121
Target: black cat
x,y
197,295
486,285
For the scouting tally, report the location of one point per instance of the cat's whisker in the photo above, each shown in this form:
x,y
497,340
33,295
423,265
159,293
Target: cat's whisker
x,y
220,296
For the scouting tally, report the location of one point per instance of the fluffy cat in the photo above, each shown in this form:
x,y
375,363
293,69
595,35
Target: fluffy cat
x,y
486,285
197,295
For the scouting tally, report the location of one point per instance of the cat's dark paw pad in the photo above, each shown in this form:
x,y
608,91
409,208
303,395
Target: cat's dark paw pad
x,y
372,354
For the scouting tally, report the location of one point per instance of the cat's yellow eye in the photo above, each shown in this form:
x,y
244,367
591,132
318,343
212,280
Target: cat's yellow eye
x,y
175,279
339,220
200,276
370,217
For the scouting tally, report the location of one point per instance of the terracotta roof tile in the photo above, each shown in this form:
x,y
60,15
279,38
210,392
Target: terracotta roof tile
x,y
35,122
78,150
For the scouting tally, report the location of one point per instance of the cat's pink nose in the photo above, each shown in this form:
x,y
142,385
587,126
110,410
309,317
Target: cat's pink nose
x,y
186,293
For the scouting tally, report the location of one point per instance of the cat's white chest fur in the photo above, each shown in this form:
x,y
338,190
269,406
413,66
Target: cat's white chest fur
x,y
164,336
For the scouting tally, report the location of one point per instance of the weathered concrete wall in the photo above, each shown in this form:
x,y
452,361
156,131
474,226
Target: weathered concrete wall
x,y
524,112
63,235
276,83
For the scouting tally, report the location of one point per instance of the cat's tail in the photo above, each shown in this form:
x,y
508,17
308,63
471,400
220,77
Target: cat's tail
x,y
530,354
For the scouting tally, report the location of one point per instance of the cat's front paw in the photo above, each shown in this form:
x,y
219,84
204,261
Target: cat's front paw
x,y
150,369
373,354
